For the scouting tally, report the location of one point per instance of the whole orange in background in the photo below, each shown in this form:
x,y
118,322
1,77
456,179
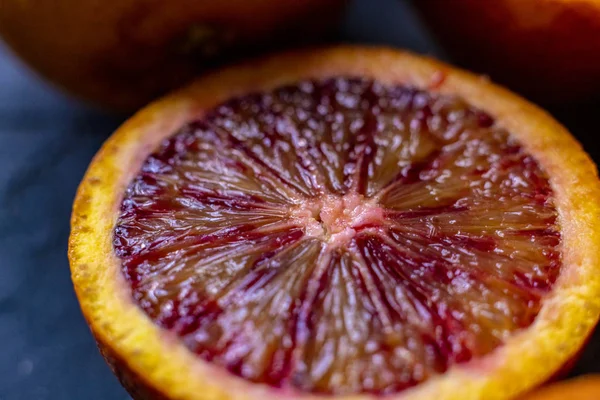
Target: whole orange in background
x,y
121,54
548,50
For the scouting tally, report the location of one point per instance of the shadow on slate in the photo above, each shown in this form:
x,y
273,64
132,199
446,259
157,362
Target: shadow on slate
x,y
46,143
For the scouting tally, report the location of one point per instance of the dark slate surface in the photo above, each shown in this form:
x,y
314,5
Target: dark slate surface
x,y
46,142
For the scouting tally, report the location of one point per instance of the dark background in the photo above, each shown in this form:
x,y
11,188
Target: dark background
x,y
46,143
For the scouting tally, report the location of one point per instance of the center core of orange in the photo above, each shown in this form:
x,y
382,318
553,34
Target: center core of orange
x,y
335,219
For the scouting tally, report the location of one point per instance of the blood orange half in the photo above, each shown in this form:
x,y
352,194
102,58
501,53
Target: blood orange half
x,y
345,222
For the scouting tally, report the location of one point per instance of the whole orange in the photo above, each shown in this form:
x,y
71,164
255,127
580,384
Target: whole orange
x,y
121,54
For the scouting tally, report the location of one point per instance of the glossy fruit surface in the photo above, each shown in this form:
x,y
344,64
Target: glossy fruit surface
x,y
369,223
340,236
548,50
123,54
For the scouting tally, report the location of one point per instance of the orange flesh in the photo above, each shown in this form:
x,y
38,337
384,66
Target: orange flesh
x,y
340,236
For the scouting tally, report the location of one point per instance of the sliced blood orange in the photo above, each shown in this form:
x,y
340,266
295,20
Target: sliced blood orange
x,y
345,222
582,388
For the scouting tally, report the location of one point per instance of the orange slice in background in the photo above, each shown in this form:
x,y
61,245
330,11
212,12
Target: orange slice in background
x,y
582,388
346,222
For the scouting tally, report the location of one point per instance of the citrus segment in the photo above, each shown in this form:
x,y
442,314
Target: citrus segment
x,y
340,236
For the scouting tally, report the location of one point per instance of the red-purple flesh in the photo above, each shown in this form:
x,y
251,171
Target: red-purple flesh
x,y
340,236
